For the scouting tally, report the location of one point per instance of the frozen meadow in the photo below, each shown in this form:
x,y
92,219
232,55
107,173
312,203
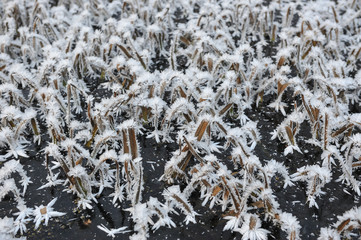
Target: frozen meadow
x,y
156,119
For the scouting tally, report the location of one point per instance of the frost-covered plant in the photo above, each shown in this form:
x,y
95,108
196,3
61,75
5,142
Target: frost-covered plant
x,y
11,226
45,213
316,178
345,226
184,73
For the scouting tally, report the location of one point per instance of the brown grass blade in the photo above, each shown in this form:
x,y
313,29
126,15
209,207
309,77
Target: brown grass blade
x,y
281,87
139,188
293,235
273,35
209,130
315,112
225,194
252,222
343,225
243,75
281,62
201,129
133,143
306,53
184,163
234,199
334,14
79,161
356,164
321,70
187,117
95,130
18,128
295,129
35,127
181,92
206,183
151,91
210,64
125,51
184,40
141,60
258,204
125,142
341,130
325,141
216,190
183,203
358,53
191,149
225,109
290,134
307,109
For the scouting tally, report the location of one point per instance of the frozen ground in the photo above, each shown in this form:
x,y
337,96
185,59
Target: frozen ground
x,y
180,120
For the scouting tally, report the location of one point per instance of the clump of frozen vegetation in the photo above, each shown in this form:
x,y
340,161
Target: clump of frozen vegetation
x,y
184,73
